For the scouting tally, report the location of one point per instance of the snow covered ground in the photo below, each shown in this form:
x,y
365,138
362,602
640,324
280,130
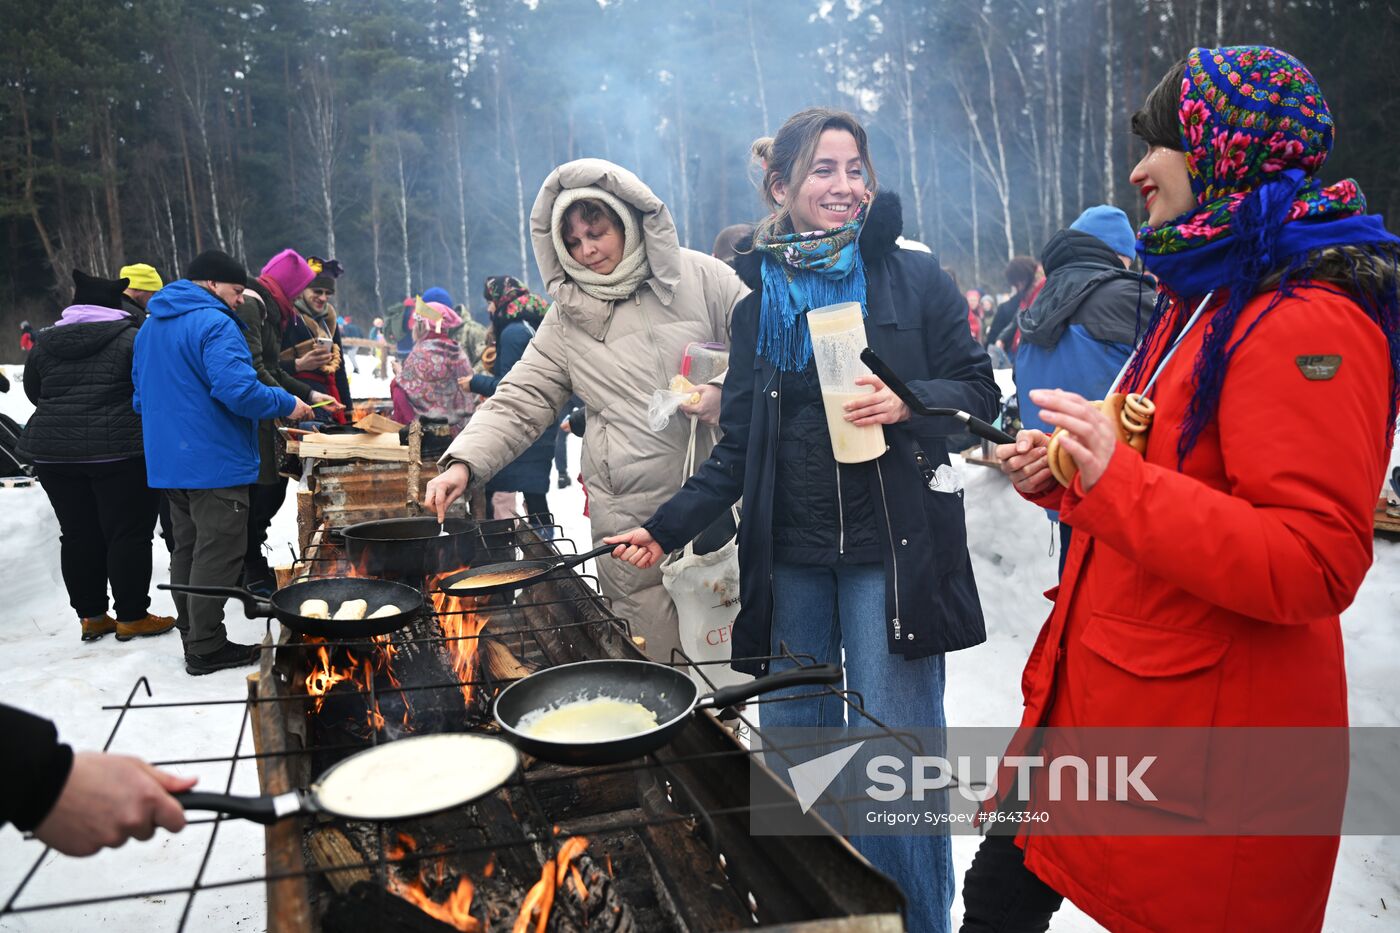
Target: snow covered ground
x,y
47,669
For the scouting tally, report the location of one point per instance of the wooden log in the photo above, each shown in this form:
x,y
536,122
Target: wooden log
x,y
369,907
330,848
376,423
288,899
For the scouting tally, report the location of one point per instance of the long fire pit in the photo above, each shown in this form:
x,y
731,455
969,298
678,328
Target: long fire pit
x,y
661,843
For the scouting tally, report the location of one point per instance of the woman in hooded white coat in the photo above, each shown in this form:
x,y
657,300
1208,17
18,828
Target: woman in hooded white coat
x,y
628,298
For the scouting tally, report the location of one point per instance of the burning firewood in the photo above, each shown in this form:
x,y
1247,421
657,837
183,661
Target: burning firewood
x,y
331,848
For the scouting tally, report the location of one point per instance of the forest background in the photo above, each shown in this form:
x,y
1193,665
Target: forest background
x,y
407,138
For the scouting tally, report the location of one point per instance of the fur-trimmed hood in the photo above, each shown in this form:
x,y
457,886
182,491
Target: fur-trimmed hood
x,y
878,237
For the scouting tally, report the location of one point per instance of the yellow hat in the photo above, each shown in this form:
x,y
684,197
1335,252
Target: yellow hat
x,y
141,277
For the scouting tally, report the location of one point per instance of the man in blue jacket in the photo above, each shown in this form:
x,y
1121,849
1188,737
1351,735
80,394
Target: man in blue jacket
x,y
1083,325
200,402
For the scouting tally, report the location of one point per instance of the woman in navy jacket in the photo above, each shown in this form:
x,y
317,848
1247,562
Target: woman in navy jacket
x,y
863,560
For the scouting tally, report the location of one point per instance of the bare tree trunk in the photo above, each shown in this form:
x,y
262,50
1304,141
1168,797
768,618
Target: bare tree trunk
x,y
461,203
321,119
30,203
522,219
1110,189
403,216
682,162
1083,141
757,68
1001,178
1219,23
976,226
1040,173
107,148
910,138
201,124
191,197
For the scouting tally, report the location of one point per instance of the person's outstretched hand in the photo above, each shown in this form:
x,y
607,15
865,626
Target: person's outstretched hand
x,y
637,547
446,488
303,412
318,397
109,799
1024,461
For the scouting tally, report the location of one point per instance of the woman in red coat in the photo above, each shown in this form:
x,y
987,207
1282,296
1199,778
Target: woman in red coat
x,y
1206,575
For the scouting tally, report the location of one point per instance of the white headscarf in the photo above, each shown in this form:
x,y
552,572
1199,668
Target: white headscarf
x,y
630,273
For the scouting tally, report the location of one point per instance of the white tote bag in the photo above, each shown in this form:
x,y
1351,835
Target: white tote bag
x,y
705,589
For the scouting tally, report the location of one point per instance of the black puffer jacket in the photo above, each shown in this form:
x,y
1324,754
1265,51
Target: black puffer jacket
x,y
822,513
79,378
917,323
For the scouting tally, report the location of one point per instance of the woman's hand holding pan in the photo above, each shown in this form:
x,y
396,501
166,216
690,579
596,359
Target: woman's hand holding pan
x,y
637,547
1024,461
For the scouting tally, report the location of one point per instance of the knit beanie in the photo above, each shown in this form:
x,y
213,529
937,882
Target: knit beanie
x,y
323,281
104,293
1111,226
290,272
142,277
214,266
439,295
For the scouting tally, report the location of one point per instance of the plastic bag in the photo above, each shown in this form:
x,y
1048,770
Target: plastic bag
x,y
664,404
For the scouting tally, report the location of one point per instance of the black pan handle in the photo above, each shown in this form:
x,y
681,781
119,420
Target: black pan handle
x,y
253,607
577,559
796,677
906,395
267,809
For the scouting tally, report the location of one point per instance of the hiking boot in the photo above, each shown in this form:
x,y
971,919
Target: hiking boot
x,y
144,628
231,654
97,626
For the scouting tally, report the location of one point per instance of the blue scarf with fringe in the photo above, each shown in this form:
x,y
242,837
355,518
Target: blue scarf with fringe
x,y
802,271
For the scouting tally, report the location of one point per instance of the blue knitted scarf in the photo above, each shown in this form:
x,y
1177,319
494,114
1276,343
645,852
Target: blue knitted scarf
x,y
802,271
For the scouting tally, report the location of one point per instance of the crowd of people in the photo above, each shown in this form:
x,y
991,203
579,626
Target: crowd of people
x,y
1228,539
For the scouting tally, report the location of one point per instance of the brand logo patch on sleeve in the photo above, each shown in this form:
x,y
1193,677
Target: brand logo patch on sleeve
x,y
1317,368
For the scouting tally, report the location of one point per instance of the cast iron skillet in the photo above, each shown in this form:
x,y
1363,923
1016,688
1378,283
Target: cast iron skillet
x,y
268,809
285,604
411,547
906,395
522,573
667,691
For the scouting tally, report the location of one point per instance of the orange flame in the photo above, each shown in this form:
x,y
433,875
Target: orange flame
x,y
455,911
540,899
460,624
359,672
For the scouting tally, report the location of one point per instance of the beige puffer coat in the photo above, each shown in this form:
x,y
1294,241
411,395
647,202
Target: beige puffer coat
x,y
613,356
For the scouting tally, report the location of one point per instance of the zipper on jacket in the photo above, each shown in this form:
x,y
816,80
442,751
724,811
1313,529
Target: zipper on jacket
x,y
772,587
894,555
840,515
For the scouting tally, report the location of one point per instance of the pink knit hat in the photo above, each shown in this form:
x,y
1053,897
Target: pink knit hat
x,y
290,272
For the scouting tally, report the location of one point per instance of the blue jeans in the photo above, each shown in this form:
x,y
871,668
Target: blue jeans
x,y
819,611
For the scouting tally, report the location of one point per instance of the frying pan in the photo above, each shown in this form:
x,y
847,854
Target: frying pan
x,y
411,547
414,766
666,691
906,395
521,573
285,604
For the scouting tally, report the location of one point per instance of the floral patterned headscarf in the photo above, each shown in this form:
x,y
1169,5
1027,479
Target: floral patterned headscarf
x,y
1249,114
508,300
1255,129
